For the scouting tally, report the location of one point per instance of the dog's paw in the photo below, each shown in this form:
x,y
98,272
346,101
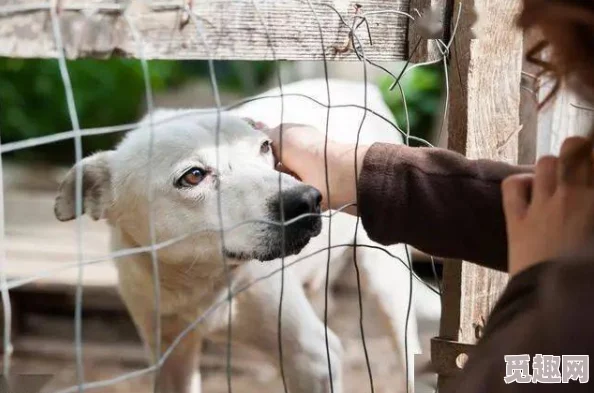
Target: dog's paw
x,y
311,370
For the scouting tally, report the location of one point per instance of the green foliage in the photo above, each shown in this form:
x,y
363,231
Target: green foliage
x,y
110,92
422,89
245,77
33,100
106,92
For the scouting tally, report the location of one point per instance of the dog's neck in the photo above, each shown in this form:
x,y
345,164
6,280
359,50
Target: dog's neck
x,y
207,275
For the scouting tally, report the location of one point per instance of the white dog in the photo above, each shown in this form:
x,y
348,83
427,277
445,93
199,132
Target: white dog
x,y
194,192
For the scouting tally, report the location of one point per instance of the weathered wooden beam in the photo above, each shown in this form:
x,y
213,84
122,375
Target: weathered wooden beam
x,y
224,29
484,122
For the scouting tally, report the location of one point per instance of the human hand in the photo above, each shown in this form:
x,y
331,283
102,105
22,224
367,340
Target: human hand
x,y
303,154
551,212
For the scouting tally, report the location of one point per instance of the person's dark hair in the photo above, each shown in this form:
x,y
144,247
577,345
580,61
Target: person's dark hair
x,y
567,28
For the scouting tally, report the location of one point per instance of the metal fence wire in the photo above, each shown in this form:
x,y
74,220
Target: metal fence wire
x,y
356,37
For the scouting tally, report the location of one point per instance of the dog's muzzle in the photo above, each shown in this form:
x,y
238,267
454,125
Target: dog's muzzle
x,y
300,207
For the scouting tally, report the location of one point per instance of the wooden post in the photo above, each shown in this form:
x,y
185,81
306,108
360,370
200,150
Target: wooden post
x,y
484,122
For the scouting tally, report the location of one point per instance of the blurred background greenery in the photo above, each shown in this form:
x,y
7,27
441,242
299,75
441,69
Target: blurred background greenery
x,y
110,92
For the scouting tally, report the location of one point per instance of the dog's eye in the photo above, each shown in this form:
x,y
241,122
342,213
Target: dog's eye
x,y
265,147
192,178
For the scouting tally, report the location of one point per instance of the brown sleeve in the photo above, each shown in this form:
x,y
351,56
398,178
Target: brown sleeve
x,y
437,201
544,310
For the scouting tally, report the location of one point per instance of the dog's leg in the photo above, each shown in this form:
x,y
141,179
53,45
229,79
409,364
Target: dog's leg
x,y
387,281
303,337
180,372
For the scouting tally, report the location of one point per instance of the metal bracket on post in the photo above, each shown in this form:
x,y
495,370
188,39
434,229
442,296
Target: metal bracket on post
x,y
448,357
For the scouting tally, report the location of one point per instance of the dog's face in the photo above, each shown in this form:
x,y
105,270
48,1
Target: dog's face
x,y
189,189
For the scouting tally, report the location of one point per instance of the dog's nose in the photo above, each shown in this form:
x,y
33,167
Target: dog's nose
x,y
301,200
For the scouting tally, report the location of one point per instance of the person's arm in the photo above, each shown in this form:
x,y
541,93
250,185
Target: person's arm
x,y
435,200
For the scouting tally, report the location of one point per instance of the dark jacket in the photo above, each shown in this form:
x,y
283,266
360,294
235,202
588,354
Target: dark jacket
x,y
449,206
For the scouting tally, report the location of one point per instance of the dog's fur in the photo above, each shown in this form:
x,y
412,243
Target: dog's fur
x,y
118,187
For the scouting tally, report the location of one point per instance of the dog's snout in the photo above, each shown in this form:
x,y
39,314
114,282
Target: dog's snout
x,y
298,207
301,200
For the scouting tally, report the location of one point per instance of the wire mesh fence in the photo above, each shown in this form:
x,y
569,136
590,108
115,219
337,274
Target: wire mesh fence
x,y
359,40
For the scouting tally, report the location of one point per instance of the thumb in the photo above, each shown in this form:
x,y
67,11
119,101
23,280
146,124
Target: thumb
x,y
517,192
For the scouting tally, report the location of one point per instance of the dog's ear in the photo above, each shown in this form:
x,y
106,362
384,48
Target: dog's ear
x,y
258,125
96,189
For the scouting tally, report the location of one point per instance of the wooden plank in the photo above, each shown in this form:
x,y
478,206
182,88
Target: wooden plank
x,y
233,29
484,123
131,354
